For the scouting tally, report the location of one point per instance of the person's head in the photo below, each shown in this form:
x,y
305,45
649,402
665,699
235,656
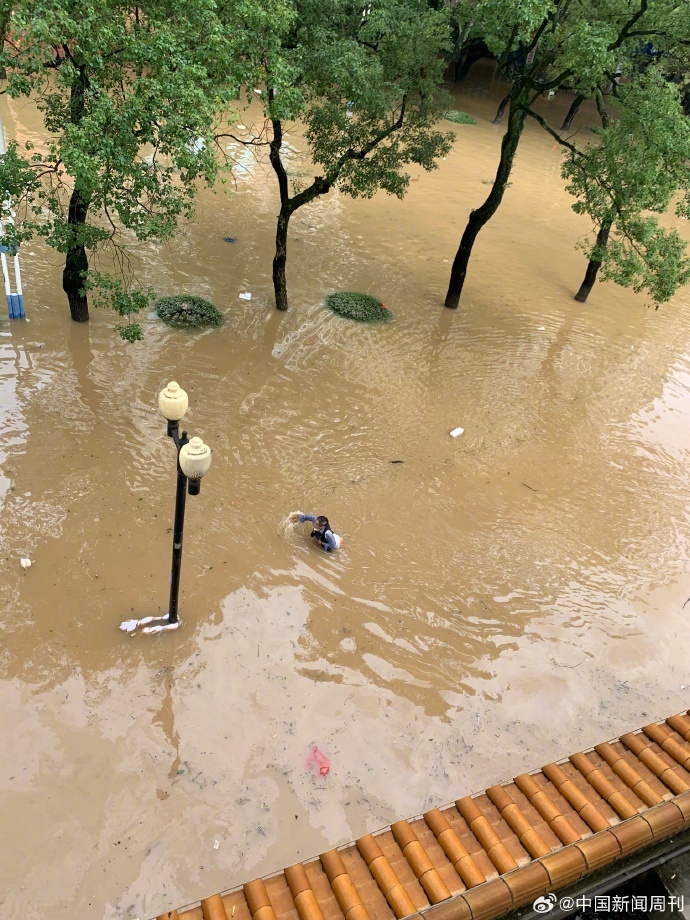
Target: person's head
x,y
321,523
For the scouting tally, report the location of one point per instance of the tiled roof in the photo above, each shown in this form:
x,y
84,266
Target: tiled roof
x,y
490,853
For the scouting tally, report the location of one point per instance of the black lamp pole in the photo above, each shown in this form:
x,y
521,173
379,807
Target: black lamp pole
x,y
178,526
193,462
184,485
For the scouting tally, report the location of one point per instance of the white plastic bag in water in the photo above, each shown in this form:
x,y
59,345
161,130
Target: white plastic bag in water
x,y
152,630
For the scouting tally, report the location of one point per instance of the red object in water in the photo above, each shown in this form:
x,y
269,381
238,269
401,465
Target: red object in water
x,y
384,306
319,761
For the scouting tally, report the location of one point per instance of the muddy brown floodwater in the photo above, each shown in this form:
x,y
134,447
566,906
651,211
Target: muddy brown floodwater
x,y
500,600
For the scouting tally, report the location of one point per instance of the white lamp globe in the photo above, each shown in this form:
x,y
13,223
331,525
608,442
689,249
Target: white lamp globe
x,y
173,402
195,459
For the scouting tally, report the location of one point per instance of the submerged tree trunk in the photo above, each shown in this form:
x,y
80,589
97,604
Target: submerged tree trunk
x,y
474,51
280,260
288,206
501,109
320,186
76,260
484,213
572,112
594,263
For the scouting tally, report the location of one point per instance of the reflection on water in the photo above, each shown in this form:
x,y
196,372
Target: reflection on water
x,y
500,599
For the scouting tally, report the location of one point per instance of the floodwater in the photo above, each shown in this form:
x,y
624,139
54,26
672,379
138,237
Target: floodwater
x,y
501,599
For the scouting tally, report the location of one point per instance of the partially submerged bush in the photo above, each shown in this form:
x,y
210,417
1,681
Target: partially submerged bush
x,y
185,311
460,118
362,307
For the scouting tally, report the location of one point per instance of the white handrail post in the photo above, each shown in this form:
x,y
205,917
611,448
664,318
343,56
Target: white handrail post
x,y
15,300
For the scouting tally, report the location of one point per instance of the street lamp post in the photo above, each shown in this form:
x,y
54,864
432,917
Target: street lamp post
x,y
193,462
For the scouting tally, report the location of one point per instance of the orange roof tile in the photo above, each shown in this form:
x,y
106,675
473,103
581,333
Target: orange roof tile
x,y
490,853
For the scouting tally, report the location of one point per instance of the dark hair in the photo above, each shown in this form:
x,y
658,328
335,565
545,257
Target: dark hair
x,y
321,523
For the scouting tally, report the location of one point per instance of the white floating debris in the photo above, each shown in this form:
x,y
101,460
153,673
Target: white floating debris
x,y
133,626
542,328
152,630
456,431
241,127
245,295
216,844
25,563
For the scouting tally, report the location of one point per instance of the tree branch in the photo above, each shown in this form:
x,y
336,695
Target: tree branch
x,y
552,84
361,154
626,30
321,185
506,50
554,134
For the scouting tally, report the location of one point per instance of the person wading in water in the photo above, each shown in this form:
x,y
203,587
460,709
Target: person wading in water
x,y
321,529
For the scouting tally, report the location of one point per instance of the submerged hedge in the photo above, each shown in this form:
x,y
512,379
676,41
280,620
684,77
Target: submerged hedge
x,y
361,307
460,118
187,311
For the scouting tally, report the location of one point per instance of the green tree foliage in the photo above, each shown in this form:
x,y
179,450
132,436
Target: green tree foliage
x,y
638,167
129,97
363,79
589,45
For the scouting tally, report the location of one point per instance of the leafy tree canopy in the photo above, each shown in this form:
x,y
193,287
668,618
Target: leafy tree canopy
x,y
639,166
129,96
579,42
364,81
591,47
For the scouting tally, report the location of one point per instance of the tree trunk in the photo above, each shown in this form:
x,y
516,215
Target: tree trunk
x,y
594,263
501,109
484,213
572,112
686,103
76,261
473,52
319,186
280,259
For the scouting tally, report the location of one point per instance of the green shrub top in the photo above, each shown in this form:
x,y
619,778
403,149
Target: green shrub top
x,y
185,311
460,118
362,307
